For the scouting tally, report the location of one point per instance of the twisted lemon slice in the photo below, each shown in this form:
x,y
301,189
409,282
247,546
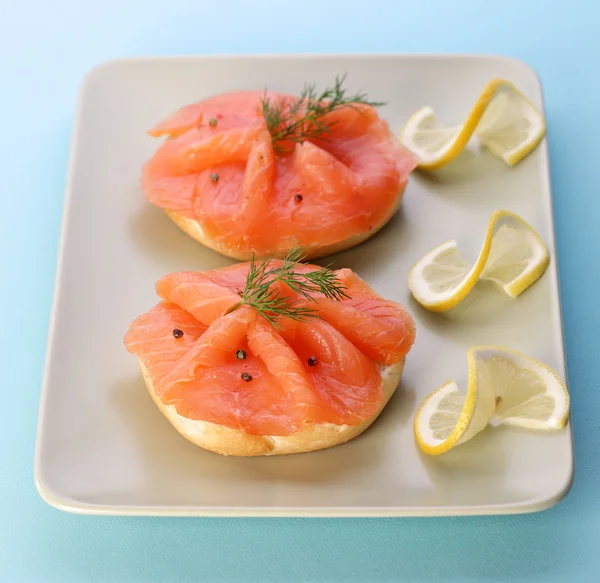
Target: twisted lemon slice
x,y
504,386
503,119
513,256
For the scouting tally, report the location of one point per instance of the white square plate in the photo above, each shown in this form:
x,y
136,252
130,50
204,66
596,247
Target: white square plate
x,y
102,445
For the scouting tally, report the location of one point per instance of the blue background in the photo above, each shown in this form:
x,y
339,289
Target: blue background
x,y
45,49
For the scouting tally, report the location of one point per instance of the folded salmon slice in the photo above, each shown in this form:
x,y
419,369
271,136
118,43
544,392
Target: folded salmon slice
x,y
236,369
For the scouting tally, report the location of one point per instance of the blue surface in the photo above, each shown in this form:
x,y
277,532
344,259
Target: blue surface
x,y
45,49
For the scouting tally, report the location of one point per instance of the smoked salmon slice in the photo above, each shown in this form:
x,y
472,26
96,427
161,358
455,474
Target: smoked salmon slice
x,y
220,168
234,368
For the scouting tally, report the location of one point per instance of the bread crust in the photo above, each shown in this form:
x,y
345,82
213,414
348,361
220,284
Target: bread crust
x,y
194,230
226,441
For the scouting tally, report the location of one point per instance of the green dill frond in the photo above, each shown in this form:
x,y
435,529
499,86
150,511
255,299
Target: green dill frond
x,y
261,293
298,120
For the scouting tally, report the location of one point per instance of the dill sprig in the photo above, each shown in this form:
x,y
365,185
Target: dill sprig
x,y
261,293
298,120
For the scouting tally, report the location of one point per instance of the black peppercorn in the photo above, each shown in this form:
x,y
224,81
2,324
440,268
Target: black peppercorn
x,y
246,377
298,197
312,361
177,333
240,354
214,177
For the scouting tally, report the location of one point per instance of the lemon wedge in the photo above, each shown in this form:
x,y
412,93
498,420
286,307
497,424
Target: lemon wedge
x,y
512,255
503,119
504,387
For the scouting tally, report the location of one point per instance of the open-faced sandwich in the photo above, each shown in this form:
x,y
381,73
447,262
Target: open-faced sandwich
x,y
268,358
249,171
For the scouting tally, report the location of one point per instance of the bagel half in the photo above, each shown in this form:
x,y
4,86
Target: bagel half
x,y
313,251
227,441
